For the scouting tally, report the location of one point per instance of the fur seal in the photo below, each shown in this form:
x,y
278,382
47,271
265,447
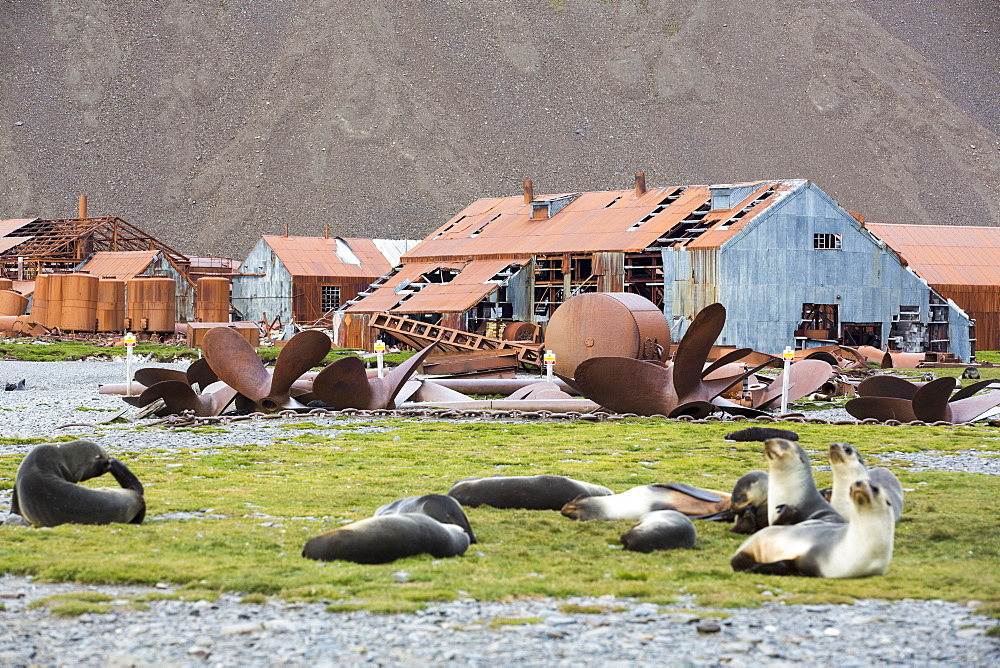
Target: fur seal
x,y
632,504
379,540
533,492
792,496
660,530
858,548
761,434
748,503
444,509
46,492
848,466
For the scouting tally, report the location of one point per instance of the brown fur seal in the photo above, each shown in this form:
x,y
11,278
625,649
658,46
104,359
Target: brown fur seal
x,y
444,509
46,492
660,530
761,434
379,540
748,503
636,502
858,548
792,496
849,466
533,492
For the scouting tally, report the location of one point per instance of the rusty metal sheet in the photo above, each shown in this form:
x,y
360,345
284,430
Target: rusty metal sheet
x,y
945,254
385,296
123,265
459,294
317,256
11,225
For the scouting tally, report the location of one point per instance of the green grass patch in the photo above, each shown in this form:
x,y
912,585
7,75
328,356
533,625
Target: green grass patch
x,y
253,507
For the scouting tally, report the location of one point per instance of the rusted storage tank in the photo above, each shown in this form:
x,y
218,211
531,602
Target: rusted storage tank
x,y
606,324
53,301
110,304
212,299
6,284
39,299
150,303
79,302
12,303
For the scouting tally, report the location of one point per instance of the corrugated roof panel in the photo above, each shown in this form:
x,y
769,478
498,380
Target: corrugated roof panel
x,y
385,296
6,243
945,254
123,265
11,225
461,293
317,256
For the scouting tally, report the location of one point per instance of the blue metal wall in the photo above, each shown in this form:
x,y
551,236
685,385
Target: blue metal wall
x,y
768,270
270,295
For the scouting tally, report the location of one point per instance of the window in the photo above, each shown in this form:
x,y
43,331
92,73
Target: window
x,y
329,298
826,242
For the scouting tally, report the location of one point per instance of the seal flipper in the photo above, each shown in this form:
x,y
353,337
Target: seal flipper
x,y
124,476
695,492
785,567
826,493
15,507
787,515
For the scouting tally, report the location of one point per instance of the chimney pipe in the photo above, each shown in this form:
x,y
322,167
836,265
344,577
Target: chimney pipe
x,y
640,184
326,235
286,230
529,192
81,207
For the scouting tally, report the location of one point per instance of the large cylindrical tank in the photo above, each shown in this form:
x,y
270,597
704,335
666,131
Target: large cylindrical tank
x,y
606,324
150,303
110,304
39,299
6,284
12,303
79,302
212,299
54,301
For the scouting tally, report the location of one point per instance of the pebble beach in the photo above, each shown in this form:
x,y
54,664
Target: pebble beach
x,y
234,631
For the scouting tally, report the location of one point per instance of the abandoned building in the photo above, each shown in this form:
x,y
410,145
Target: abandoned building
x,y
961,263
305,279
791,266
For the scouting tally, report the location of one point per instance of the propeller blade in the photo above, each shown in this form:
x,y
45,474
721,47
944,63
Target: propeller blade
x,y
152,375
970,390
236,363
887,386
384,390
881,408
804,377
930,402
201,374
731,356
343,384
694,348
304,351
627,385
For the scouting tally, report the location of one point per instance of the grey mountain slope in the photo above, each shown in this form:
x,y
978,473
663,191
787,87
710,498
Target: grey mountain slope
x,y
209,123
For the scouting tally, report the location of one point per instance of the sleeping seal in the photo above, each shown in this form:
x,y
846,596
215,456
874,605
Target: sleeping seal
x,y
46,492
748,503
848,466
761,434
636,502
532,492
792,496
858,548
379,540
444,509
660,530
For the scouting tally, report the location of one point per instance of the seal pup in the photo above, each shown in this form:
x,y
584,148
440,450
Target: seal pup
x,y
792,496
660,530
444,509
632,504
748,503
385,538
533,492
761,434
848,465
46,492
856,549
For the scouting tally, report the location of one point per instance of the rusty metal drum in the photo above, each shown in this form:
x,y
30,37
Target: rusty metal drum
x,y
606,324
79,302
39,300
150,304
212,299
12,303
110,304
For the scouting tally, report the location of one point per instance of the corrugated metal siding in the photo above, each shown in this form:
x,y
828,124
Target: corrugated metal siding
x,y
609,267
982,303
307,294
268,295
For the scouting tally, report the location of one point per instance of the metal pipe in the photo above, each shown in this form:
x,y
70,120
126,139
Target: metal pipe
x,y
640,184
529,192
81,206
494,385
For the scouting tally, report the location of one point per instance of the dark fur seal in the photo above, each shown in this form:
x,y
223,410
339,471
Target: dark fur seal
x,y
660,530
849,466
761,434
748,503
46,492
379,540
792,496
444,509
636,502
858,548
533,492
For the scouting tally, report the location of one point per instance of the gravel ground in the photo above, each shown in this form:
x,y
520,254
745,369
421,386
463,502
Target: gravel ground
x,y
229,632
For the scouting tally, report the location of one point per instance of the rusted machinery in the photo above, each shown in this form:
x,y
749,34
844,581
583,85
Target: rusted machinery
x,y
684,387
892,398
606,324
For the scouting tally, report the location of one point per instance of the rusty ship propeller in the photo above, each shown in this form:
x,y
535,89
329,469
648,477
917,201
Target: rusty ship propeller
x,y
345,383
236,363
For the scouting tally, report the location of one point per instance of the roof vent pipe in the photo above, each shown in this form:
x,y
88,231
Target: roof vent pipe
x,y
286,230
640,184
529,192
326,235
81,207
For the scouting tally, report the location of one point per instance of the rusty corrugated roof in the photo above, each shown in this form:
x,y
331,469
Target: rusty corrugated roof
x,y
123,265
616,220
6,243
318,256
459,294
11,225
945,254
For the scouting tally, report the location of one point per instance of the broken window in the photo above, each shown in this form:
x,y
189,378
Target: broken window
x,y
329,298
826,241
